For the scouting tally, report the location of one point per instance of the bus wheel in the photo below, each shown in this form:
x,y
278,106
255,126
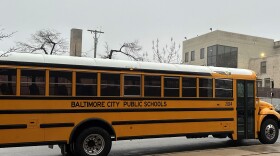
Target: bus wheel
x,y
269,132
93,141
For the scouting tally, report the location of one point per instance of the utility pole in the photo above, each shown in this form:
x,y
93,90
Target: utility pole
x,y
95,37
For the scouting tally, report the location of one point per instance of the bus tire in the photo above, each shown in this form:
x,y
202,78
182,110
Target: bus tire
x,y
269,132
93,141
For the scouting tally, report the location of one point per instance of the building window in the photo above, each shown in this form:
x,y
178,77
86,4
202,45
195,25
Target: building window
x,y
110,84
205,87
171,86
263,67
188,87
267,82
259,82
32,82
187,57
192,55
211,56
223,88
152,86
86,84
8,81
202,53
222,56
132,85
60,83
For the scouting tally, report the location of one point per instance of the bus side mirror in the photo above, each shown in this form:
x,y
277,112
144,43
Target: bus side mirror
x,y
272,84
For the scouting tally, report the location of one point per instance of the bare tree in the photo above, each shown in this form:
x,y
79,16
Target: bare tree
x,y
107,52
130,49
5,35
168,54
7,52
48,41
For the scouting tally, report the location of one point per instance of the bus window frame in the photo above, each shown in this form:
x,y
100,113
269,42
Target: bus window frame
x,y
65,84
172,77
120,83
82,84
212,88
160,86
225,79
140,85
195,86
12,82
43,83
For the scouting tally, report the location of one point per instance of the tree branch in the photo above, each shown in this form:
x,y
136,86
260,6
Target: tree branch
x,y
131,50
6,53
5,35
48,41
169,54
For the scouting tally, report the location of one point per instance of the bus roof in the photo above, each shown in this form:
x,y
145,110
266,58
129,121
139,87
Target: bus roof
x,y
90,62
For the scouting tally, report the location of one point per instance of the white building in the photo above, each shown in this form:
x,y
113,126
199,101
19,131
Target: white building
x,y
267,69
227,49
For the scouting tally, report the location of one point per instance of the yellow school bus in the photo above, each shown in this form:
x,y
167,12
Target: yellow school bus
x,y
83,104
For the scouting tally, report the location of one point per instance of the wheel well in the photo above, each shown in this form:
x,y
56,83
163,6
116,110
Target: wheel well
x,y
272,117
92,123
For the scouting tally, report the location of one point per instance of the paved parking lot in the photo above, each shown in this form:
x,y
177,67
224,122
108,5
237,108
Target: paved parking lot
x,y
178,146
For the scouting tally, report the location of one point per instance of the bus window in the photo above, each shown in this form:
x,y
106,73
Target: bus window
x,y
86,84
60,83
250,94
8,81
132,85
205,87
153,86
171,86
250,89
110,84
188,87
32,82
223,88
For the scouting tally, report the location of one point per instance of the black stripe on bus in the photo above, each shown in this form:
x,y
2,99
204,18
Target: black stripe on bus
x,y
108,98
169,121
33,143
172,135
56,125
52,111
15,126
35,64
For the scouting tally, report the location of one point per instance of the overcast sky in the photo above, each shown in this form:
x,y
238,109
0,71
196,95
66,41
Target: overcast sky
x,y
142,20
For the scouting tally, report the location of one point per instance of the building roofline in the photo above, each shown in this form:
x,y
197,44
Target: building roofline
x,y
222,31
246,35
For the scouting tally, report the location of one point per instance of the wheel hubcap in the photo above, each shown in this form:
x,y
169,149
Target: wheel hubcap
x,y
270,132
94,144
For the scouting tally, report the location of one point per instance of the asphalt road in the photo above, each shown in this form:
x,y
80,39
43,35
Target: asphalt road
x,y
178,146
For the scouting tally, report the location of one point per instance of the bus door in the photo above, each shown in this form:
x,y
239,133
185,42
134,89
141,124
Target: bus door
x,y
245,109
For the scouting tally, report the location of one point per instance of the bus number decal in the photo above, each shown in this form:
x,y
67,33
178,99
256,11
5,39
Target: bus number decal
x,y
228,104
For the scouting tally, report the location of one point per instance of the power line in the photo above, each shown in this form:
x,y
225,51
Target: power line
x,y
95,37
